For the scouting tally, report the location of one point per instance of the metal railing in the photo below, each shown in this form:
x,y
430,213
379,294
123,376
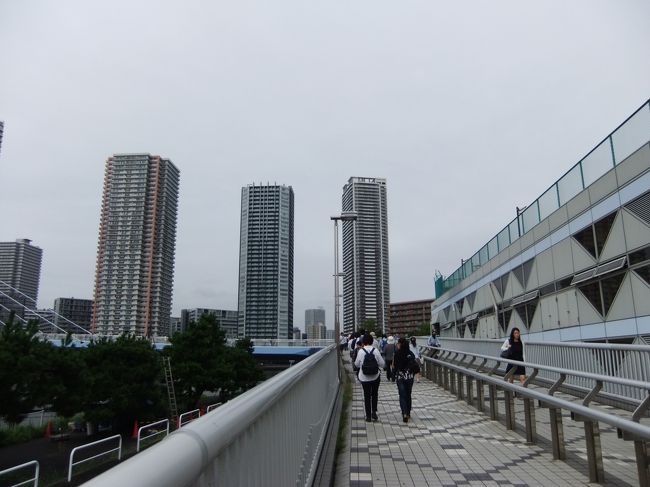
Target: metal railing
x,y
151,435
189,416
88,445
34,479
608,359
457,371
276,430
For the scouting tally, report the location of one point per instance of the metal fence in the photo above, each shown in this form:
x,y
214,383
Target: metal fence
x,y
270,435
608,359
25,466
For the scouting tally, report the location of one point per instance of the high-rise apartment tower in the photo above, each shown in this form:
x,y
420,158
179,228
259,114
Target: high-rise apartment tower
x,y
137,239
20,272
366,289
266,262
315,316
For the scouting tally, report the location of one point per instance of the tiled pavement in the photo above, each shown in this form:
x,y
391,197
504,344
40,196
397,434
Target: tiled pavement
x,y
449,443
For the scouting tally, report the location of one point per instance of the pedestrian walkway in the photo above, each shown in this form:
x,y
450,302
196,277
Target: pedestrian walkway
x,y
449,443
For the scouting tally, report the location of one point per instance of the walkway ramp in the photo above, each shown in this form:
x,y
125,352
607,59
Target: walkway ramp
x,y
449,443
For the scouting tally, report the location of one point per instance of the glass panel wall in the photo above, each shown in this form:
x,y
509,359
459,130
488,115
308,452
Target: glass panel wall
x,y
632,134
548,202
531,217
503,239
597,162
493,248
570,184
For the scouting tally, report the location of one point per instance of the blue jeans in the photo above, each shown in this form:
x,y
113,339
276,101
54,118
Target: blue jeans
x,y
404,387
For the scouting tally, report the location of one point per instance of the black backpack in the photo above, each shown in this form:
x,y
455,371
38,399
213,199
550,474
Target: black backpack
x,y
413,365
369,365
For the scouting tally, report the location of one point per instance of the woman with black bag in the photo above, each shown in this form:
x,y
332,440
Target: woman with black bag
x,y
404,369
513,349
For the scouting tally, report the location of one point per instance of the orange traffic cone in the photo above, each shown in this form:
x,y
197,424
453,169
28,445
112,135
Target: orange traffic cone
x,y
48,429
135,429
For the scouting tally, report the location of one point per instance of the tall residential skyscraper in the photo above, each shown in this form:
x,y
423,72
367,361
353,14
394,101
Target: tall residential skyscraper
x,y
314,316
366,289
266,262
20,272
137,239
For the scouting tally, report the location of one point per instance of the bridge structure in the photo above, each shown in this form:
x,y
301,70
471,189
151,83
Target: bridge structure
x,y
580,418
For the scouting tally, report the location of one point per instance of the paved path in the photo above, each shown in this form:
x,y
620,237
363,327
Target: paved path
x,y
449,443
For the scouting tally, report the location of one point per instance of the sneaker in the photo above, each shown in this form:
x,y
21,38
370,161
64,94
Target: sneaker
x,y
368,420
375,417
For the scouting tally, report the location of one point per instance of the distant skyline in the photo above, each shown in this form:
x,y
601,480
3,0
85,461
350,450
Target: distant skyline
x,y
447,102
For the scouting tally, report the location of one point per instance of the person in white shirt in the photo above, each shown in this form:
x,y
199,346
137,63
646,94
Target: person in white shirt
x,y
370,382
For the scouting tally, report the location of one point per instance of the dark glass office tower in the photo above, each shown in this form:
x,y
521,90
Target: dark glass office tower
x,y
266,262
366,288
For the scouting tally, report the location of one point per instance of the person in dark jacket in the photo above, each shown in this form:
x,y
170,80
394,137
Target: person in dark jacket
x,y
404,376
389,354
516,347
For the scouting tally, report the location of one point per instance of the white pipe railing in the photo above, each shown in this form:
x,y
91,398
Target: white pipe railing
x,y
608,359
270,435
192,415
212,406
34,479
156,433
88,445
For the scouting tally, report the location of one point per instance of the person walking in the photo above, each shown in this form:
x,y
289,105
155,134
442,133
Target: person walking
x,y
389,354
402,370
516,347
369,376
413,347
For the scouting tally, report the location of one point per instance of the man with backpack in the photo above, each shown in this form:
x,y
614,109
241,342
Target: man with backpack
x,y
370,362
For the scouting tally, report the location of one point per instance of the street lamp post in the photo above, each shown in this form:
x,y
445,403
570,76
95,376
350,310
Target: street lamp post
x,y
344,217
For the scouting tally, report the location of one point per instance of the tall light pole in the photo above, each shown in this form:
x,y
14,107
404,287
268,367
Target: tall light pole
x,y
346,216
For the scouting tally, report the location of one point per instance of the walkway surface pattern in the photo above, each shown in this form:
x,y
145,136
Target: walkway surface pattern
x,y
449,443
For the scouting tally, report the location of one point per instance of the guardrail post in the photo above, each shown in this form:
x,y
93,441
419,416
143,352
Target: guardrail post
x,y
494,410
531,425
452,381
510,409
641,452
445,378
557,433
469,390
594,452
459,385
479,395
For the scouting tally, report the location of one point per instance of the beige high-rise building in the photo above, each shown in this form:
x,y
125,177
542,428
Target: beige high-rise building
x,y
137,240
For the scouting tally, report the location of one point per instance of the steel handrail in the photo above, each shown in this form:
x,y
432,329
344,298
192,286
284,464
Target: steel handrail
x,y
593,414
21,466
549,368
158,432
74,450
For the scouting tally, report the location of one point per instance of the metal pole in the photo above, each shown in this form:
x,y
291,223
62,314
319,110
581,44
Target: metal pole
x,y
337,326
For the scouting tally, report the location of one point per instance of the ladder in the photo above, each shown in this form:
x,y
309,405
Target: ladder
x,y
173,409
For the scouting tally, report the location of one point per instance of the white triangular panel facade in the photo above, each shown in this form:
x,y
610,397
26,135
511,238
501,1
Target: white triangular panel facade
x,y
615,243
623,306
641,293
637,233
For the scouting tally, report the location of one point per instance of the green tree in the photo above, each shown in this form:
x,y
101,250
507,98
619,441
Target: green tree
x,y
423,330
202,362
370,325
124,381
23,360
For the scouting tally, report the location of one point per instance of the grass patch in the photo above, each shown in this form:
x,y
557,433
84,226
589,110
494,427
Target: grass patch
x,y
20,434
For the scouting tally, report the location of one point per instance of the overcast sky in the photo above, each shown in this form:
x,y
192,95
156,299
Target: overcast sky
x,y
467,108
